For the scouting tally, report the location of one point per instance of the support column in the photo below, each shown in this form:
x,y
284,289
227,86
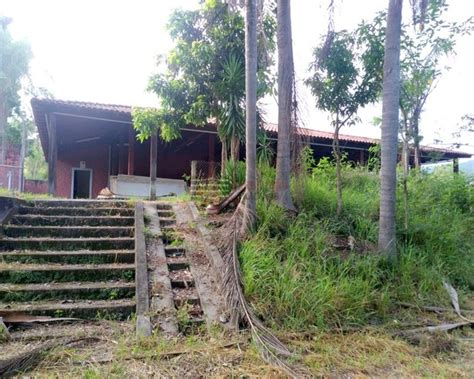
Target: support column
x,y
211,156
131,150
361,157
153,163
456,165
52,152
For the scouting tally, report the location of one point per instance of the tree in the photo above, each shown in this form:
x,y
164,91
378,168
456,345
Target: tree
x,y
251,58
346,75
14,61
389,140
286,104
203,77
421,67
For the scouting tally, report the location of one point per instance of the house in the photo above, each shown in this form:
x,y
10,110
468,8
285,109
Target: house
x,y
90,146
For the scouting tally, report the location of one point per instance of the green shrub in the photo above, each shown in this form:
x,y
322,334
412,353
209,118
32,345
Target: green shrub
x,y
296,278
232,177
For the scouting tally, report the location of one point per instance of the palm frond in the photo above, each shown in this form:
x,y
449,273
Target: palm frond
x,y
271,348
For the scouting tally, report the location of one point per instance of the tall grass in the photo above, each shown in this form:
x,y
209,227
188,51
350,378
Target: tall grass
x,y
296,277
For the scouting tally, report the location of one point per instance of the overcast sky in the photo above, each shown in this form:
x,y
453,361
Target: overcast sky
x,y
104,51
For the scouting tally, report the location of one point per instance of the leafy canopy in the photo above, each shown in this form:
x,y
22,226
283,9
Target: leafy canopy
x,y
202,77
14,61
346,74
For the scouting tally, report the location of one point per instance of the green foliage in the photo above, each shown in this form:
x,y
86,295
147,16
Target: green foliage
x,y
14,61
296,276
265,151
148,121
232,177
373,163
421,57
35,165
203,75
346,74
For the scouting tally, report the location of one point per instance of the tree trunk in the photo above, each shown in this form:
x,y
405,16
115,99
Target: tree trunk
x,y
337,154
224,155
250,114
285,98
234,149
416,142
3,128
153,164
390,108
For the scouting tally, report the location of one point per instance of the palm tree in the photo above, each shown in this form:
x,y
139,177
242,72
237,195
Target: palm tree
x,y
250,113
285,105
389,142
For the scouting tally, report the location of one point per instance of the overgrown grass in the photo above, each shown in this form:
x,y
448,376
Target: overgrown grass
x,y
24,195
297,276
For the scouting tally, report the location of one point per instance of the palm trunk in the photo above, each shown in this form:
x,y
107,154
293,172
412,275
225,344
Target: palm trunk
x,y
3,128
234,148
285,97
234,157
337,154
250,114
390,107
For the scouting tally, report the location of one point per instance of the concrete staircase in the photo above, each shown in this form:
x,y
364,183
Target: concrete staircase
x,y
69,258
175,302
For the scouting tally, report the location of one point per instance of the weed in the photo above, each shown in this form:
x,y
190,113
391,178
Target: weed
x,y
297,279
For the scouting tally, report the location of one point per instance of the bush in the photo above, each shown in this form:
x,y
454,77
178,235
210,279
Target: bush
x,y
296,278
232,177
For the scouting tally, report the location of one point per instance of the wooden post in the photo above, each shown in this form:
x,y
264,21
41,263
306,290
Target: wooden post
x,y
361,157
52,152
131,150
153,163
193,177
211,157
456,165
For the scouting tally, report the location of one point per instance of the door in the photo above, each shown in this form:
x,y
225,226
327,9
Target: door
x,y
81,183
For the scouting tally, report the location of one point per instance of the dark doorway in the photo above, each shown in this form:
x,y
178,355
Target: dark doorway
x,y
81,183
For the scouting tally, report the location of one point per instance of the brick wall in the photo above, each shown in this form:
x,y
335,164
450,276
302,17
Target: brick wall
x,y
96,157
36,186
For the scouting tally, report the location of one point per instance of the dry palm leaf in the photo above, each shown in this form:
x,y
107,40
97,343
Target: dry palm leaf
x,y
271,348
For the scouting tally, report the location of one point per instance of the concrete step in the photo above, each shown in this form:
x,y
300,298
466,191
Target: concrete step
x,y
68,232
42,220
71,257
180,283
167,221
175,251
43,273
70,290
79,203
115,309
122,243
176,265
183,296
77,211
164,207
165,213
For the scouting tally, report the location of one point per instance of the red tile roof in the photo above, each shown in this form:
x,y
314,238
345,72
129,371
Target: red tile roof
x,y
82,105
312,133
123,112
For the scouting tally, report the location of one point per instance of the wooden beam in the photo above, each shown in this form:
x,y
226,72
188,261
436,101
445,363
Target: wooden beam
x,y
52,152
153,164
131,150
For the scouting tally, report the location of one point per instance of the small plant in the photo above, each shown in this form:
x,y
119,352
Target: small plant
x,y
232,177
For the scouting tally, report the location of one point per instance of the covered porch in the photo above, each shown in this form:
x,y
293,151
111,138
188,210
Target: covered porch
x,y
91,146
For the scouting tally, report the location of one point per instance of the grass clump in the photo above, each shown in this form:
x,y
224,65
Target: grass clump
x,y
318,270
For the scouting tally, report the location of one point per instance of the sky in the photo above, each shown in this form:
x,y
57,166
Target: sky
x,y
105,51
